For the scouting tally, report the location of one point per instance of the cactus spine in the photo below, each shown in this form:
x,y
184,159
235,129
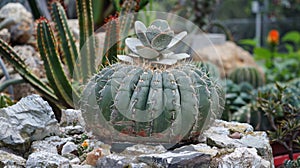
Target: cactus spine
x,y
247,74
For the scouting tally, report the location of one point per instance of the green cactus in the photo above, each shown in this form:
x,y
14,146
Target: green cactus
x,y
87,38
209,68
66,39
53,66
247,74
111,43
237,96
154,94
58,89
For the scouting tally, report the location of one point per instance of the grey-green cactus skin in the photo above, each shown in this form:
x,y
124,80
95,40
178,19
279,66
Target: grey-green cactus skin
x,y
144,102
209,68
151,92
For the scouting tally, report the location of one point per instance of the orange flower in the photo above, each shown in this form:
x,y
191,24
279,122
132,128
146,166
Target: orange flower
x,y
273,37
85,144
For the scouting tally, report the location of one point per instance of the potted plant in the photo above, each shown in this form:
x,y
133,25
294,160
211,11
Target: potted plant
x,y
276,110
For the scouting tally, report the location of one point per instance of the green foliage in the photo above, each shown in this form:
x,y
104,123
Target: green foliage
x,y
58,90
5,100
247,74
292,163
237,96
276,110
281,66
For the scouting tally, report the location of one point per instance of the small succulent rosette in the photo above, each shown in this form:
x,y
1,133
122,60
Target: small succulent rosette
x,y
153,44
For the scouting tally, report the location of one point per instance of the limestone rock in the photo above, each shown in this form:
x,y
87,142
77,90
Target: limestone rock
x,y
143,149
177,159
11,160
227,57
49,144
74,26
47,160
32,59
30,119
5,35
71,117
243,157
69,147
115,160
18,20
71,130
218,136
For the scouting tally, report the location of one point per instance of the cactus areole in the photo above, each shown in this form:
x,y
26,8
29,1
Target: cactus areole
x,y
151,94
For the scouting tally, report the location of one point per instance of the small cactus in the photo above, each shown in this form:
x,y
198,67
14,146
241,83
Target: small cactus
x,y
247,74
144,99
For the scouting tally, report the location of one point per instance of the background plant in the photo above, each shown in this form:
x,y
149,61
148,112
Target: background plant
x,y
281,64
58,50
276,110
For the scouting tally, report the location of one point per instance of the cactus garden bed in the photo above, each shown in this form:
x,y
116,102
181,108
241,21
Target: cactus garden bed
x,y
142,91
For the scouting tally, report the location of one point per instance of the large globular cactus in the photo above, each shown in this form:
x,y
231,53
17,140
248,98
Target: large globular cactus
x,y
247,74
151,92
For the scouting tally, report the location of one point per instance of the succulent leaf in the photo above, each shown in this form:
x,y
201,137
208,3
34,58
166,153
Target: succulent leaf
x,y
162,40
152,32
179,56
132,43
161,24
153,43
177,38
140,30
147,52
166,61
125,58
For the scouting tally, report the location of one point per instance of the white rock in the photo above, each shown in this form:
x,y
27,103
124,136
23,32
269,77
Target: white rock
x,y
243,157
46,159
30,119
18,20
10,160
71,117
50,144
69,147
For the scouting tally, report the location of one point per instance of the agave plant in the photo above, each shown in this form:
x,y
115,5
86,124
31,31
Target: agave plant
x,y
156,95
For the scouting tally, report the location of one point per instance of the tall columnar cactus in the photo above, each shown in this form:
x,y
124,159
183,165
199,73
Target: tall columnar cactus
x,y
155,95
87,38
53,66
247,74
111,43
66,39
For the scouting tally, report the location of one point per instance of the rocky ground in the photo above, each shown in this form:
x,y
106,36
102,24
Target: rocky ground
x,y
30,136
